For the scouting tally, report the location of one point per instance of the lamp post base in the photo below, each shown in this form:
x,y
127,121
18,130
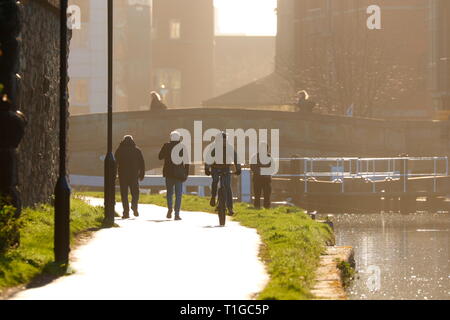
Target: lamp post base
x,y
62,221
110,190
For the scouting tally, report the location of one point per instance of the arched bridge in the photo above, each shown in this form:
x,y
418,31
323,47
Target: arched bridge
x,y
306,135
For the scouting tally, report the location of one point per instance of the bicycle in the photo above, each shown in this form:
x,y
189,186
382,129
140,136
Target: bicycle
x,y
222,195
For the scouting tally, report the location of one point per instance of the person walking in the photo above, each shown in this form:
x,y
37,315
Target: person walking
x,y
131,169
174,174
262,183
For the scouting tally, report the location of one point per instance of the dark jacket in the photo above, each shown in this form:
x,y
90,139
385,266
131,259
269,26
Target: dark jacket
x,y
256,168
130,161
166,155
157,105
305,106
224,164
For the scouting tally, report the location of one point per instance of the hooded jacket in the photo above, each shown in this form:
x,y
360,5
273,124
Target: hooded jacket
x,y
166,155
130,161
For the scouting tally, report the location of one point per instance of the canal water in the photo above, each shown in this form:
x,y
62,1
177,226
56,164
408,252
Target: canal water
x,y
397,256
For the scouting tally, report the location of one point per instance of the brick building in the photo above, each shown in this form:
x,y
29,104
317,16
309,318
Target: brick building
x,y
441,56
326,48
232,69
132,57
183,51
382,73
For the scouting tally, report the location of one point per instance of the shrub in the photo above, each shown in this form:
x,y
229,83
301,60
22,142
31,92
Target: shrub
x,y
347,272
9,227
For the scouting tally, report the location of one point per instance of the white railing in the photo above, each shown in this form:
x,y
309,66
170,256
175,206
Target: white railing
x,y
339,170
201,182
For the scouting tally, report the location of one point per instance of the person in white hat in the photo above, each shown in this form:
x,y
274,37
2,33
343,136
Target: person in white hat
x,y
174,174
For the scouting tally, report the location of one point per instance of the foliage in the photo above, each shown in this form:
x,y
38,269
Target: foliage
x,y
347,272
9,227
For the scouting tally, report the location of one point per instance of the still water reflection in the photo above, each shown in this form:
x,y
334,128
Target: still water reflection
x,y
398,256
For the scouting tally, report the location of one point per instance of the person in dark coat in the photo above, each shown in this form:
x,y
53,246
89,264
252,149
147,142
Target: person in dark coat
x,y
157,104
262,184
131,169
304,103
174,174
215,170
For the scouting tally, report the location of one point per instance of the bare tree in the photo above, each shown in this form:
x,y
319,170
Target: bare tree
x,y
344,69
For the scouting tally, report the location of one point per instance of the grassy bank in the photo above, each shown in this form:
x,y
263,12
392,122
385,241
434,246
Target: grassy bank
x,y
292,243
35,255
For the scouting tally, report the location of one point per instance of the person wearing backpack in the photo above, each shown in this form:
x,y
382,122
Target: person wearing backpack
x,y
174,174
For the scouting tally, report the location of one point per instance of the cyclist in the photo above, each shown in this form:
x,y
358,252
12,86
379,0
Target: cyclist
x,y
223,171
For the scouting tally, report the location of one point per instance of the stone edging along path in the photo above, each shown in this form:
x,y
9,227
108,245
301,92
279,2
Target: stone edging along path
x,y
329,284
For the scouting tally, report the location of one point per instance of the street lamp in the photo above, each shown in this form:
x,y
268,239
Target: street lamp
x,y
110,162
62,189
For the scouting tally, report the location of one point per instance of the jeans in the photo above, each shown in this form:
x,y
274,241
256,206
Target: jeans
x,y
226,185
171,185
133,185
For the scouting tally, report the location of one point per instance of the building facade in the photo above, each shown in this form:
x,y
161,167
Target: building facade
x,y
441,56
88,68
369,58
183,51
232,69
347,63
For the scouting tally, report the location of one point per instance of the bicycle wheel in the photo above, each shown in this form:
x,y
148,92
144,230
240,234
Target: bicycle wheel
x,y
221,207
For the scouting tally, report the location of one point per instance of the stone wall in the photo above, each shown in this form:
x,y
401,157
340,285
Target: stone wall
x,y
39,100
306,135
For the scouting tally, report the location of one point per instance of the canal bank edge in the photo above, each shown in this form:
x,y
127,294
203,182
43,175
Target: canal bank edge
x,y
329,284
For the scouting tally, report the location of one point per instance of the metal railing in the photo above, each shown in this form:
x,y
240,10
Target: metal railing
x,y
338,170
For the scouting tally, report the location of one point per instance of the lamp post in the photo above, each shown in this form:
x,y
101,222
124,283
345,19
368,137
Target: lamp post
x,y
62,189
110,162
12,121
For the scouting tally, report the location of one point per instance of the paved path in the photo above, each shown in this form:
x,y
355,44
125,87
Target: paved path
x,y
153,258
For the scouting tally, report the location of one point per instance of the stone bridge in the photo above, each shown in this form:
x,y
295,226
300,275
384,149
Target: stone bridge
x,y
306,135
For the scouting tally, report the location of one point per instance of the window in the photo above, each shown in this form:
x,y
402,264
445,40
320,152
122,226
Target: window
x,y
175,29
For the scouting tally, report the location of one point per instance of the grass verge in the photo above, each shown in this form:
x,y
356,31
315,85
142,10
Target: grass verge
x,y
35,255
292,243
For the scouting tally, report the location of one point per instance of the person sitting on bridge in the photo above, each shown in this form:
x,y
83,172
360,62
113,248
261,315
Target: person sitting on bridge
x,y
131,169
304,104
262,183
215,170
157,104
174,174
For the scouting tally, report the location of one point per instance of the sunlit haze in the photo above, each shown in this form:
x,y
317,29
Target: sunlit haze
x,y
246,17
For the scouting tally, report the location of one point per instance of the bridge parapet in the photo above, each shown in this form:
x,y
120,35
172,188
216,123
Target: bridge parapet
x,y
305,135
